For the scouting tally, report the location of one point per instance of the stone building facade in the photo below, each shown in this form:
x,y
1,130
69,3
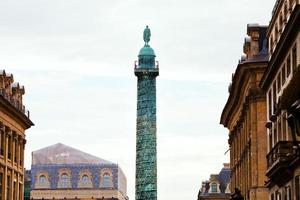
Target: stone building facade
x,y
281,82
217,187
14,120
62,172
244,116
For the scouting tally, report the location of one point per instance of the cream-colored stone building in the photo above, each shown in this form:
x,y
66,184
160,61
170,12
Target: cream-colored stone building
x,y
14,120
244,116
281,82
62,172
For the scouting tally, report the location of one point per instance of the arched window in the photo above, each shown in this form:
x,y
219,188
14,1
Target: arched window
x,y
85,180
42,180
106,180
64,180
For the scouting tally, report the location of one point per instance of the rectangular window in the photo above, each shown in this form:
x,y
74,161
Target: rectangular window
x,y
290,193
297,188
270,140
272,196
1,185
214,188
15,191
278,82
9,147
278,196
283,74
2,143
284,131
270,103
280,135
275,134
288,66
20,191
294,57
15,150
8,189
21,154
274,97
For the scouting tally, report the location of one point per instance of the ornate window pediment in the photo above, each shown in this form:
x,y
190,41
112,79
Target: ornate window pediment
x,y
106,178
64,179
85,179
42,180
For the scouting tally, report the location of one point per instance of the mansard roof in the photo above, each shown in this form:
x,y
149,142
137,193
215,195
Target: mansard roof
x,y
63,154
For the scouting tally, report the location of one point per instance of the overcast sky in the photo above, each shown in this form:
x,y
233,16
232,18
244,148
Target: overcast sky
x,y
75,58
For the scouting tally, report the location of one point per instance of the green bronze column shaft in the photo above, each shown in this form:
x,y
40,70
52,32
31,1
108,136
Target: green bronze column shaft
x,y
146,155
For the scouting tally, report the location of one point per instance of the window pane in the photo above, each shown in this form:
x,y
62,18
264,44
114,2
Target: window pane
x,y
297,187
85,180
274,98
65,179
8,185
278,82
9,147
283,74
294,57
214,187
270,103
288,66
1,185
42,180
106,180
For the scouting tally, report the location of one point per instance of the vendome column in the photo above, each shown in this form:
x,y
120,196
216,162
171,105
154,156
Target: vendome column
x,y
146,165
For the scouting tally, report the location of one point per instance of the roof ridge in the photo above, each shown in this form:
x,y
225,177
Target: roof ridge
x,y
63,154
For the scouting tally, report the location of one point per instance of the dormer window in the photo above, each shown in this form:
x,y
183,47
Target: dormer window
x,y
106,180
85,179
42,180
214,188
64,180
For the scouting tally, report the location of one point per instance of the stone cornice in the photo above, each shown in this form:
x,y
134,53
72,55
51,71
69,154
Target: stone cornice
x,y
254,93
14,113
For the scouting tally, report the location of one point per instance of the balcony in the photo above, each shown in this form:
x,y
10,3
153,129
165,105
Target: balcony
x,y
281,160
152,71
15,103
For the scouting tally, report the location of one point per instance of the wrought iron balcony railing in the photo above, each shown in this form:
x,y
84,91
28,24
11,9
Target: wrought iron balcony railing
x,y
282,152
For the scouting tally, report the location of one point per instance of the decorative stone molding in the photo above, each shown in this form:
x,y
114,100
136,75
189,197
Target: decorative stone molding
x,y
106,178
64,178
42,180
85,179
